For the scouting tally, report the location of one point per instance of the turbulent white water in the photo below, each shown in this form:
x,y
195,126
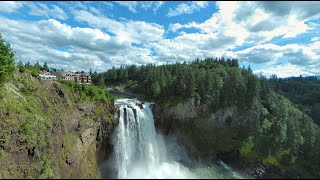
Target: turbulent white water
x,y
141,153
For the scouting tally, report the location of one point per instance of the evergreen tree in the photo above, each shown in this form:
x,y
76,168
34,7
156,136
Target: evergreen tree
x,y
249,68
20,63
27,64
7,61
253,89
21,66
37,64
45,67
155,89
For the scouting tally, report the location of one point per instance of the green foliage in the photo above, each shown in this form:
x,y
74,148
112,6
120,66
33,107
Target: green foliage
x,y
213,136
101,111
45,67
89,92
4,137
131,85
285,137
7,61
27,85
155,89
246,149
304,92
1,153
46,171
202,79
35,70
21,67
33,132
271,161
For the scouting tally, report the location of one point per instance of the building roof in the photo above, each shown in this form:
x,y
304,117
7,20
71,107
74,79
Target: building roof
x,y
46,75
63,74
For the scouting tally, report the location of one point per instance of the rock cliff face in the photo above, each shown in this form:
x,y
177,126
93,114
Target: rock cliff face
x,y
187,111
46,131
182,111
201,129
165,114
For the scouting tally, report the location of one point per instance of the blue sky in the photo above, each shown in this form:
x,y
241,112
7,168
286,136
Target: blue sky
x,y
280,38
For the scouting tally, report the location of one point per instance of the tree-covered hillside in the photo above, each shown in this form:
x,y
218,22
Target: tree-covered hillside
x,y
280,136
304,92
217,79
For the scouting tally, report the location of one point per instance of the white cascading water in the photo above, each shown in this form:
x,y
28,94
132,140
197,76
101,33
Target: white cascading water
x,y
139,151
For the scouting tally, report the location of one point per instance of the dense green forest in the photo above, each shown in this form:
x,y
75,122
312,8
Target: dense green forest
x,y
304,92
282,136
220,79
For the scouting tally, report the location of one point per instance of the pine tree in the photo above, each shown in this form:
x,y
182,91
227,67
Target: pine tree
x,y
249,68
37,64
21,66
20,63
155,89
253,89
45,67
27,64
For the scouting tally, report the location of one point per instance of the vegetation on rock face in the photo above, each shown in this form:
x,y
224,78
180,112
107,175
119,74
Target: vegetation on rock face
x,y
88,92
42,123
278,134
24,124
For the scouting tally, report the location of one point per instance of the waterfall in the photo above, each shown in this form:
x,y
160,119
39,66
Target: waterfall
x,y
139,151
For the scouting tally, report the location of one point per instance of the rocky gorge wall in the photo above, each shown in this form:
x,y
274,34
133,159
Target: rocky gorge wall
x,y
48,132
207,134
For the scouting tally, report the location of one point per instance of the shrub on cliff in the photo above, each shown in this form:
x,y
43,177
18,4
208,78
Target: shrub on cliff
x,y
88,92
7,61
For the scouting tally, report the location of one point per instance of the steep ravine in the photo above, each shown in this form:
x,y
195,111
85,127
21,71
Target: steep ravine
x,y
210,137
48,132
186,119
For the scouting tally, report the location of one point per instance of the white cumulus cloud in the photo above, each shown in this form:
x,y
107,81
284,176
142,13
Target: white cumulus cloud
x,y
185,8
10,6
40,9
